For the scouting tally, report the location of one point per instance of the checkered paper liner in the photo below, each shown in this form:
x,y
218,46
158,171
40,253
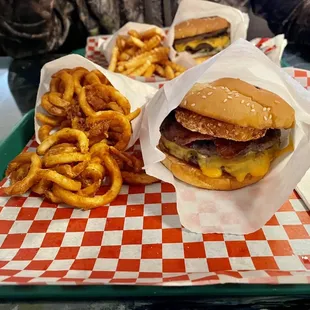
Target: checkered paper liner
x,y
138,239
272,47
300,75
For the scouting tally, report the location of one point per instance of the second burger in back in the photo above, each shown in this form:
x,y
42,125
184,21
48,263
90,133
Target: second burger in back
x,y
224,135
202,37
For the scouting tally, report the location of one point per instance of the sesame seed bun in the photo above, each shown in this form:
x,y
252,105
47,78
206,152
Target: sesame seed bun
x,y
193,176
236,102
194,27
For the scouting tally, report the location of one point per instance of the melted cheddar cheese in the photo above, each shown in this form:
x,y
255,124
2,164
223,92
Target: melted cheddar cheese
x,y
255,164
221,41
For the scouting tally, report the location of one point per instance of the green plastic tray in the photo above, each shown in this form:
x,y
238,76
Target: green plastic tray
x,y
16,141
12,146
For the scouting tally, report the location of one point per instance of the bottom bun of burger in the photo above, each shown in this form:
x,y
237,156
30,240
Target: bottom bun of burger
x,y
193,176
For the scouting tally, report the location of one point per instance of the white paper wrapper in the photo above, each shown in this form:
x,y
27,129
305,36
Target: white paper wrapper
x,y
188,9
245,210
136,92
272,47
106,46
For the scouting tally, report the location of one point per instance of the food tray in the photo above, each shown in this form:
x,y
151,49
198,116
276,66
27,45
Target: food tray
x,y
138,241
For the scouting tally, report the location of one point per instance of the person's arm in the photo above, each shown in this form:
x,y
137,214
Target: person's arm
x,y
291,17
32,27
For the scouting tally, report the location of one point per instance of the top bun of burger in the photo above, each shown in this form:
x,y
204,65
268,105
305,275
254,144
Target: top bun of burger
x,y
236,102
194,27
224,135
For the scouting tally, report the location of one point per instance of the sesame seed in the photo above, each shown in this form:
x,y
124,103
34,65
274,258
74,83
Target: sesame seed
x,y
225,100
185,102
242,101
229,97
264,109
270,116
203,97
268,109
198,93
253,110
219,124
227,131
248,104
276,101
222,87
210,93
252,106
265,118
193,104
193,93
236,95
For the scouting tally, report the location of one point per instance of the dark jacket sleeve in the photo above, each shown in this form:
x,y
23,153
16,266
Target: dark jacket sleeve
x,y
33,27
291,17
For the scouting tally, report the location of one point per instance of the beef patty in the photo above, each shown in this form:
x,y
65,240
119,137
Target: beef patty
x,y
210,146
202,36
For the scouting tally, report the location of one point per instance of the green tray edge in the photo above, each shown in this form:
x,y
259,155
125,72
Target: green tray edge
x,y
13,145
117,292
16,141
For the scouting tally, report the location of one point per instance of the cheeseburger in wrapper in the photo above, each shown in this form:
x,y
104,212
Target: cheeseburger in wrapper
x,y
225,134
201,29
202,37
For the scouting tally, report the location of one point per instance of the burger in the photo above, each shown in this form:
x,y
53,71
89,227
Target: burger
x,y
224,135
202,37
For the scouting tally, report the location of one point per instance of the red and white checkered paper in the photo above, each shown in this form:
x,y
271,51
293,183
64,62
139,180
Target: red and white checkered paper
x,y
272,47
138,239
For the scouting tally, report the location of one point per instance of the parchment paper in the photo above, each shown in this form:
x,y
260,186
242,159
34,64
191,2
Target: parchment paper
x,y
106,46
136,92
245,210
